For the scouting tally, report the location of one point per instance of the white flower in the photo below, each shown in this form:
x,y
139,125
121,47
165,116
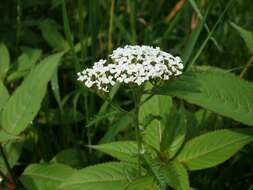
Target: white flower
x,y
88,83
131,64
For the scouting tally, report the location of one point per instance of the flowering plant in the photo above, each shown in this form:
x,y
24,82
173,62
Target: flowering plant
x,y
131,65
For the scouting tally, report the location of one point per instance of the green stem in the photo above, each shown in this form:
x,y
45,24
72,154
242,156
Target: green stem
x,y
93,28
69,35
89,135
137,98
18,19
80,15
246,67
8,165
203,45
114,106
147,99
132,12
110,27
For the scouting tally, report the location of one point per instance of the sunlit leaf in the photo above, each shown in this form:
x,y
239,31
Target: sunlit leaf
x,y
45,176
143,183
216,90
213,148
174,133
73,157
122,150
246,35
176,176
12,150
4,61
157,106
24,103
112,175
4,95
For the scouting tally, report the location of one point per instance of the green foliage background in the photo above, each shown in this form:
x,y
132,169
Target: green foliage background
x,y
47,117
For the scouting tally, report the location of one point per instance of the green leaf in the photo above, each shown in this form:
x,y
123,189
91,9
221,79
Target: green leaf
x,y
122,123
122,150
154,169
73,157
25,102
4,95
176,176
4,61
155,106
174,133
143,183
213,148
45,176
4,136
33,54
16,75
12,150
56,90
26,61
192,127
113,176
193,39
216,90
247,36
52,36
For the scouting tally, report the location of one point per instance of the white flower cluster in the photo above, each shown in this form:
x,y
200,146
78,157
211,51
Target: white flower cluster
x,y
131,64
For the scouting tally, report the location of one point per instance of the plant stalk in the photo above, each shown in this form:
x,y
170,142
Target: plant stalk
x,y
68,35
80,15
246,67
110,27
137,98
8,165
89,134
18,21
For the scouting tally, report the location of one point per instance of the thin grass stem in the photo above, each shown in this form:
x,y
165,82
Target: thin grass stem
x,y
246,67
81,27
111,26
69,35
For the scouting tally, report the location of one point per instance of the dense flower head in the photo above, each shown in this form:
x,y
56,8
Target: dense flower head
x,y
131,65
